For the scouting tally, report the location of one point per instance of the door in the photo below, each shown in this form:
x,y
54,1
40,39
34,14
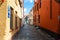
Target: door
x,y
11,18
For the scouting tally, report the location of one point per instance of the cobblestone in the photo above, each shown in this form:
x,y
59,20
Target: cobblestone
x,y
29,32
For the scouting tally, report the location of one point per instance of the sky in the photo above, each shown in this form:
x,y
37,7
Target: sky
x,y
28,4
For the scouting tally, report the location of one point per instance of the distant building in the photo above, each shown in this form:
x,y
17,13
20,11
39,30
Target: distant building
x,y
10,18
30,17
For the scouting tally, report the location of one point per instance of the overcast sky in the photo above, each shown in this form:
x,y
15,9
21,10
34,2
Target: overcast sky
x,y
28,4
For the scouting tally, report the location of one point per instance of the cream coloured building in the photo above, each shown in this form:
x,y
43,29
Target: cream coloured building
x,y
10,18
30,17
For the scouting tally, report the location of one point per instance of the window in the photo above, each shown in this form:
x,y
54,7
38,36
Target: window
x,y
34,18
16,2
16,12
40,3
50,9
20,3
38,18
1,1
16,20
11,18
57,1
16,23
33,9
37,6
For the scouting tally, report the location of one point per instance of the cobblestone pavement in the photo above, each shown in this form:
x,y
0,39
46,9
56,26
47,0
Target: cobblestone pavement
x,y
29,32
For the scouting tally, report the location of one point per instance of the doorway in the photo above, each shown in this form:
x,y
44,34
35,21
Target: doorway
x,y
16,20
11,18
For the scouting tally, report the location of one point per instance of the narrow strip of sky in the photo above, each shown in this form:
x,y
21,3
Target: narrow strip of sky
x,y
28,4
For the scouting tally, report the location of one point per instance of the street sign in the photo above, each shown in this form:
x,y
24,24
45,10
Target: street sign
x,y
9,11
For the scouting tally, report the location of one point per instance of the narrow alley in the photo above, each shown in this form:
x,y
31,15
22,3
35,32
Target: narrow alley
x,y
29,32
29,19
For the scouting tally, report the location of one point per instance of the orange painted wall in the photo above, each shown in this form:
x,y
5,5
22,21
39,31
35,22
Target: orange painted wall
x,y
35,15
59,19
45,20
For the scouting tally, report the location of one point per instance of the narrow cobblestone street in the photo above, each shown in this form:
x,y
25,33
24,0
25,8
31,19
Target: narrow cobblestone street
x,y
29,32
29,19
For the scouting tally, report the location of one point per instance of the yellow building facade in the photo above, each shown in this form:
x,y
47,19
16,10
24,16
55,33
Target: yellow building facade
x,y
10,22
